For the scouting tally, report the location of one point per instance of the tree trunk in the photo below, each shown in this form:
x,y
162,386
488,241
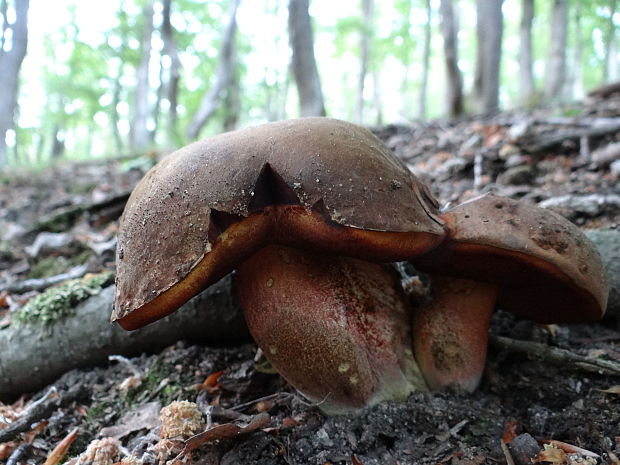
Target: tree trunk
x,y
611,50
489,30
232,100
454,80
365,36
556,61
174,74
575,88
526,76
304,63
223,75
140,137
10,64
377,97
426,58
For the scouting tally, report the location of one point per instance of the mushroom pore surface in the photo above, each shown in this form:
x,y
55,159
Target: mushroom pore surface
x,y
313,183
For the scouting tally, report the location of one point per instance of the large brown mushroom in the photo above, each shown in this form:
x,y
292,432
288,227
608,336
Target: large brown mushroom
x,y
501,253
288,204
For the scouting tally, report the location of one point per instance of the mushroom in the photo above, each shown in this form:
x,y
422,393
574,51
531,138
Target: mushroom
x,y
306,210
504,253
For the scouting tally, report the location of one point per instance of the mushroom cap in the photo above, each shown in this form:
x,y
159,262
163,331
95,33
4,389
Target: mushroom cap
x,y
546,268
313,182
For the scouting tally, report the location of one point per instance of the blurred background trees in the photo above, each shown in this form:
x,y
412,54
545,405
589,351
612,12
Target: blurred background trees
x,y
84,79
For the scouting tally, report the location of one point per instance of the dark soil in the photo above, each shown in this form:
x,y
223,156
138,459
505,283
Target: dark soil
x,y
517,396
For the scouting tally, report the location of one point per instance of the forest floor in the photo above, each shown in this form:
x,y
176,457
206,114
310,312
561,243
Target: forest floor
x,y
565,160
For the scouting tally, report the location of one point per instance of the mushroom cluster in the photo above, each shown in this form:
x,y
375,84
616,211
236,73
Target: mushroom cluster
x,y
310,213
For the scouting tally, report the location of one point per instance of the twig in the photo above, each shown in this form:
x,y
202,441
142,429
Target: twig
x,y
478,162
128,363
284,395
19,454
507,454
556,355
39,410
37,284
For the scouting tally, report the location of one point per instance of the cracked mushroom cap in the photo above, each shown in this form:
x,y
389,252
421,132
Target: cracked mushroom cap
x,y
547,270
313,183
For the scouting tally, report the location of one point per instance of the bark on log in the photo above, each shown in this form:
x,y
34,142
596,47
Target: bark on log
x,y
607,242
34,356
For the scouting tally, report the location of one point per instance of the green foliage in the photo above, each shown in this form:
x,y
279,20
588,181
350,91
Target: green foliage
x,y
89,80
60,301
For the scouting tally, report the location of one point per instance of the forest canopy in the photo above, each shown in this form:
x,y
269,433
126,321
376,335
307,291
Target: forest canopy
x,y
86,80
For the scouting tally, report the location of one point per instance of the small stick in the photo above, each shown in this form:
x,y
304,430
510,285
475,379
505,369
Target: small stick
x,y
128,363
507,454
478,161
556,355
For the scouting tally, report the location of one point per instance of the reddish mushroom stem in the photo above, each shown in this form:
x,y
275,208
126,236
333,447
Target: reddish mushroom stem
x,y
451,332
338,329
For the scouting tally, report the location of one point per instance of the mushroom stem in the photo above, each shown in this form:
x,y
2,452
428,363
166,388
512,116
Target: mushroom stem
x,y
338,329
451,332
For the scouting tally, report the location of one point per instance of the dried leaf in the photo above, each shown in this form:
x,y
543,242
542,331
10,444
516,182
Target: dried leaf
x,y
145,416
61,448
510,431
551,454
225,431
569,448
612,390
210,384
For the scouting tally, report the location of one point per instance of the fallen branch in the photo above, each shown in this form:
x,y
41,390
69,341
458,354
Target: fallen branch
x,y
35,355
555,355
38,284
40,410
537,140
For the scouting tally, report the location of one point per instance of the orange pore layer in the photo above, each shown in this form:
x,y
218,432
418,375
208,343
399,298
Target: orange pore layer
x,y
291,225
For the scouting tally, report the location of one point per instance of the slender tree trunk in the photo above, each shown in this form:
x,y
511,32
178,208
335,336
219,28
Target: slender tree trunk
x,y
174,73
611,50
4,8
10,64
489,31
575,84
223,75
304,63
526,76
377,97
454,80
232,101
426,58
58,143
365,37
140,138
556,62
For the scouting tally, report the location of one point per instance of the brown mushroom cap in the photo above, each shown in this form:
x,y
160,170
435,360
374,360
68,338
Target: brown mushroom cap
x,y
314,182
546,268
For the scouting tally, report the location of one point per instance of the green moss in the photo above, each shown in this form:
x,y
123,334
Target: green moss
x,y
151,384
59,301
60,221
48,266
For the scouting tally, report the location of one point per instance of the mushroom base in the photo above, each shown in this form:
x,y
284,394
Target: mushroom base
x,y
451,332
338,329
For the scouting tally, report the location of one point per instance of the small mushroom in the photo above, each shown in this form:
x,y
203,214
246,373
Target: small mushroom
x,y
324,193
504,253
